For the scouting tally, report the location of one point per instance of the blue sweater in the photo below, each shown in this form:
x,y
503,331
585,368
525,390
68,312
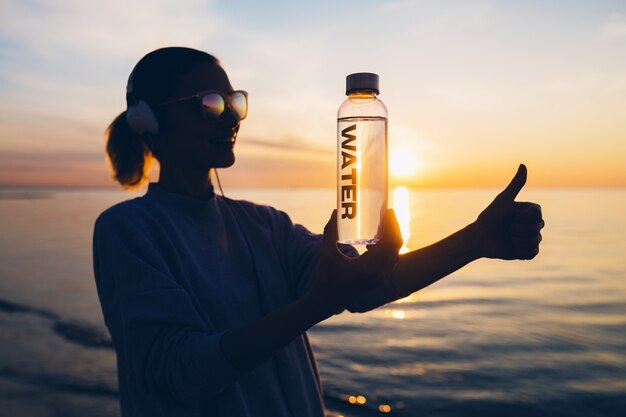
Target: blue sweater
x,y
174,273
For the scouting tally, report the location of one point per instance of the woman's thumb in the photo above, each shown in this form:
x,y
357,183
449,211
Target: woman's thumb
x,y
330,230
516,184
392,230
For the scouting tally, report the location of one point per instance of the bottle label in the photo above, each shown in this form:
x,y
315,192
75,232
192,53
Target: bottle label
x,y
361,178
348,172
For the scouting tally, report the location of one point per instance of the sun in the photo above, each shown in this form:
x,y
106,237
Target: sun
x,y
403,162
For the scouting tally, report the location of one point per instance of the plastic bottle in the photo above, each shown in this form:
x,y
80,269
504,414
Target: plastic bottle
x,y
361,161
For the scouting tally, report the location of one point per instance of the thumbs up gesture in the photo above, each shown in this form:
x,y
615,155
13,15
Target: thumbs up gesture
x,y
508,229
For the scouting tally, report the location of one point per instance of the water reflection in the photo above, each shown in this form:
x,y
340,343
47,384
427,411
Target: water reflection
x,y
357,399
403,214
396,314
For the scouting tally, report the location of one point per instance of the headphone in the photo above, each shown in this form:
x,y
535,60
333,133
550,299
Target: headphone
x,y
139,114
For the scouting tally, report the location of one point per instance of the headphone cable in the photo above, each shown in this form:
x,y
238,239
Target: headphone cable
x,y
218,181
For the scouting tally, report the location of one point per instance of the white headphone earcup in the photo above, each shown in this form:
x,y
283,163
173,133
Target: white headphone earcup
x,y
141,119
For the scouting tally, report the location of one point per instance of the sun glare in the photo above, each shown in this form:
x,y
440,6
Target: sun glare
x,y
403,163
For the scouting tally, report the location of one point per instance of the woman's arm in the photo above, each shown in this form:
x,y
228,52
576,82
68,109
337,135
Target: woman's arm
x,y
338,279
505,230
420,268
250,345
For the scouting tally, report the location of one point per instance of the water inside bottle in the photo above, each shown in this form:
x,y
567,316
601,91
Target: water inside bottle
x,y
361,178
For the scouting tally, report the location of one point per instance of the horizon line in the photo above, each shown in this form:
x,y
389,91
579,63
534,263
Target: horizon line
x,y
5,187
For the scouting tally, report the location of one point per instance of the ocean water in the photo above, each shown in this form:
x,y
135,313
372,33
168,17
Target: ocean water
x,y
545,337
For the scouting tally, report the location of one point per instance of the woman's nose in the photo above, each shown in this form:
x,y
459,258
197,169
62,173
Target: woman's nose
x,y
229,118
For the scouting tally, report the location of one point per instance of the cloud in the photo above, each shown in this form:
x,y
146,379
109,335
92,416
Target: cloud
x,y
444,18
590,84
466,96
104,30
294,145
71,59
55,48
615,27
53,168
35,129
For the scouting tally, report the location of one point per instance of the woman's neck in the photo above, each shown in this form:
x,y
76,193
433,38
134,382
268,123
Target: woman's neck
x,y
193,183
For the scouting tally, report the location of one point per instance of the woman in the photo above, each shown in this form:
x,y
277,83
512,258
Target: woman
x,y
208,299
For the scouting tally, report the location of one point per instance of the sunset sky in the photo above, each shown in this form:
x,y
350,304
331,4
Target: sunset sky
x,y
473,88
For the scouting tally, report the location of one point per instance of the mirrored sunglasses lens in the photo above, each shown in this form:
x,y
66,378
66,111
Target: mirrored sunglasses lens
x,y
239,103
213,105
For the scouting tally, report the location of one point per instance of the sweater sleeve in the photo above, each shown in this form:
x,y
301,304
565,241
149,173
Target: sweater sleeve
x,y
302,250
166,346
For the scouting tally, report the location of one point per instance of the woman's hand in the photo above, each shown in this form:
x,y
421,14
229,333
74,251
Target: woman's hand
x,y
507,229
340,278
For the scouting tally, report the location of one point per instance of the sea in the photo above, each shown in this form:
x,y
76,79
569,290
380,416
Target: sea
x,y
545,337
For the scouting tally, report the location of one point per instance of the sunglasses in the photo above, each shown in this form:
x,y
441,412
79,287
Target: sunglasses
x,y
214,103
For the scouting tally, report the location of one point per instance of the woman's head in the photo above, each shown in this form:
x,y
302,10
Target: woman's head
x,y
165,121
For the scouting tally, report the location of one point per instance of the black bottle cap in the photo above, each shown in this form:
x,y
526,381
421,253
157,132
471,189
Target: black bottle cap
x,y
362,81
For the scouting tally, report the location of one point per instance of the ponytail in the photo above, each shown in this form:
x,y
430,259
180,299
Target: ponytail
x,y
129,158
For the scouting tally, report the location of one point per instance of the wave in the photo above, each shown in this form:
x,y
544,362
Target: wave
x,y
605,308
11,307
60,382
462,301
466,399
25,195
90,336
84,334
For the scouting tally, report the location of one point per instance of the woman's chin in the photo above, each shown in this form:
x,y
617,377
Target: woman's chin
x,y
224,162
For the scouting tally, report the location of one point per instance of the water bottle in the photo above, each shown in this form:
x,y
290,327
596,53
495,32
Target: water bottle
x,y
361,161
